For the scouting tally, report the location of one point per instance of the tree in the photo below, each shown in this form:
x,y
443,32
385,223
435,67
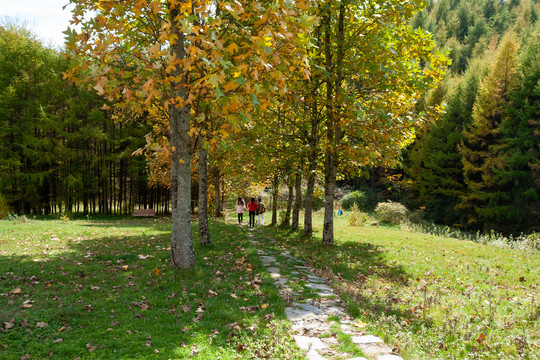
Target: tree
x,y
372,76
141,54
482,149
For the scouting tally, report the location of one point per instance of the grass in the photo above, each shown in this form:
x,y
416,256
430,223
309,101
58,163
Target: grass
x,y
431,297
104,289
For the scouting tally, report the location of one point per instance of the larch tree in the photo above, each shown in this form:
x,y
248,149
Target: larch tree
x,y
482,150
141,54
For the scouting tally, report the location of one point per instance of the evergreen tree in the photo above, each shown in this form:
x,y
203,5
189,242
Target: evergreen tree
x,y
435,168
521,135
483,150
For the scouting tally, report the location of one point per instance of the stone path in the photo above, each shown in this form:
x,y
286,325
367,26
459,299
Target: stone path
x,y
316,313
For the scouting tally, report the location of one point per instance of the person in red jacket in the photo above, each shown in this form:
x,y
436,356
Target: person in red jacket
x,y
252,207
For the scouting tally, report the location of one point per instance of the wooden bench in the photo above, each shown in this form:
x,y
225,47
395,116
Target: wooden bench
x,y
144,212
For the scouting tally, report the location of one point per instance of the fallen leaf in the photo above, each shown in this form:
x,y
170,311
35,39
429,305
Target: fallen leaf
x,y
264,306
194,350
147,343
17,291
481,338
522,279
25,357
212,293
9,324
156,351
59,340
90,347
41,324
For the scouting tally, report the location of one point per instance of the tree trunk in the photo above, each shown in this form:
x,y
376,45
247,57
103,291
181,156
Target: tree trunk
x,y
182,255
204,232
308,211
297,202
287,220
333,130
217,186
275,184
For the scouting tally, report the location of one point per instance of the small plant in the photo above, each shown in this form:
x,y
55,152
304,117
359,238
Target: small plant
x,y
392,213
356,219
19,218
65,217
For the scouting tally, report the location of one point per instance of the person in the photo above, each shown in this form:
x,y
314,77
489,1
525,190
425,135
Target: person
x,y
260,212
240,207
252,208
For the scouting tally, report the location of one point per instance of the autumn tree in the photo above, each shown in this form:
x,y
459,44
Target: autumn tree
x,y
141,55
372,74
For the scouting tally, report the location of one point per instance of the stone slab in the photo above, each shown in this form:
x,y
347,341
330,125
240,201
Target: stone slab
x,y
309,343
367,339
295,314
321,287
316,279
308,308
374,349
389,357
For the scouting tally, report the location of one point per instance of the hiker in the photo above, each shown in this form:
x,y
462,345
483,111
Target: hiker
x,y
252,207
260,212
240,208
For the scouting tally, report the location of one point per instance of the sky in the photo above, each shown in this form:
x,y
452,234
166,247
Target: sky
x,y
45,18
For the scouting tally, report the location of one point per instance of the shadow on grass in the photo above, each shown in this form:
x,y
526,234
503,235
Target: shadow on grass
x,y
112,298
350,265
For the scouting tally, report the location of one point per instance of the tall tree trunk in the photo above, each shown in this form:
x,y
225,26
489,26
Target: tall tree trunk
x,y
297,201
182,255
308,211
204,232
287,220
217,186
333,130
275,192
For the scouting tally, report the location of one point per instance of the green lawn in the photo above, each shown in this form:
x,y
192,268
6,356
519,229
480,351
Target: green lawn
x,y
431,297
104,289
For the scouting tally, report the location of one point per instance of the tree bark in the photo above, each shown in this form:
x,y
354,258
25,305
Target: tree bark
x,y
333,130
308,214
182,255
217,186
297,202
275,184
287,220
204,232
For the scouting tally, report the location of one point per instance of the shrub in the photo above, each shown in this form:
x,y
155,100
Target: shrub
x,y
365,199
357,198
357,218
392,213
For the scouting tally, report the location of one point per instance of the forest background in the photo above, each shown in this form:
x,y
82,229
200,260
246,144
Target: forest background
x,y
476,167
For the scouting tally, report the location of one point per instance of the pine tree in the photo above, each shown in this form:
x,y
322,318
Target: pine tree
x,y
483,150
521,134
435,166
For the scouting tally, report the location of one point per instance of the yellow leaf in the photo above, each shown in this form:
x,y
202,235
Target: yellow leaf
x,y
231,49
264,306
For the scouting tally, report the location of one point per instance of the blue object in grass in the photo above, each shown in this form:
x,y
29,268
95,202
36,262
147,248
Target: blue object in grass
x,y
340,212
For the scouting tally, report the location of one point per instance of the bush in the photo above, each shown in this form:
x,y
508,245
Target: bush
x,y
366,200
392,213
357,198
357,218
